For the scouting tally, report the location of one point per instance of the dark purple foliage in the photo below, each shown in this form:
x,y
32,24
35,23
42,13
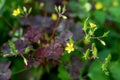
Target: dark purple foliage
x,y
50,53
43,23
76,29
33,62
63,37
5,72
76,66
21,45
33,35
6,49
53,51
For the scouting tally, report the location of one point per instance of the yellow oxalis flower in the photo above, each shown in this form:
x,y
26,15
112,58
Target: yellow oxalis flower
x,y
41,4
54,16
69,47
92,25
16,12
115,3
98,5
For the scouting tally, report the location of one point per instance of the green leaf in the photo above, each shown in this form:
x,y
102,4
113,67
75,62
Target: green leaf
x,y
71,40
108,58
63,9
100,16
115,70
95,72
29,11
106,33
56,9
13,48
17,66
95,29
114,13
63,74
86,54
2,2
85,24
94,50
105,64
27,49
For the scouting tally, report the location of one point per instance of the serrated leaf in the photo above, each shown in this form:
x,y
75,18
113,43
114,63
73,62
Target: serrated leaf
x,y
105,64
94,50
108,58
13,48
86,54
105,34
85,24
104,67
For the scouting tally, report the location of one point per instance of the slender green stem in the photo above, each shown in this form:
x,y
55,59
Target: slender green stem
x,y
56,25
6,21
19,71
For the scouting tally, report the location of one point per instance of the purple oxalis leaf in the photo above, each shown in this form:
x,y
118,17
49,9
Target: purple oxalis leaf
x,y
5,72
33,35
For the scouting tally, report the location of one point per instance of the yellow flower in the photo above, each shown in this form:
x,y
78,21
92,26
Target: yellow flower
x,y
69,47
54,16
41,4
115,3
16,12
92,25
98,5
